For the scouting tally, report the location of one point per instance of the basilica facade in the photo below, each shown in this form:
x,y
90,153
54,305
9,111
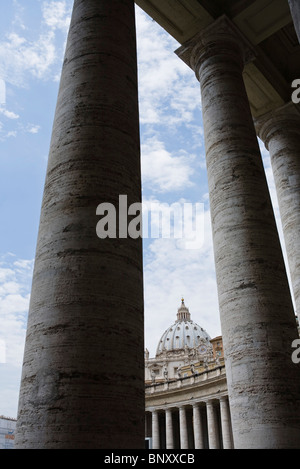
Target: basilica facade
x,y
186,390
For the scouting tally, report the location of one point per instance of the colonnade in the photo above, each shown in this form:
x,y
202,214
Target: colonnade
x,y
202,425
86,308
256,310
279,130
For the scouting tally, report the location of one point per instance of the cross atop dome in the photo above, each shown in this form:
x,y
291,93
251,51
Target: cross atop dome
x,y
183,313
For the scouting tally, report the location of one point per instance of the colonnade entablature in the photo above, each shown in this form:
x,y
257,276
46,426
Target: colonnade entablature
x,y
203,401
205,378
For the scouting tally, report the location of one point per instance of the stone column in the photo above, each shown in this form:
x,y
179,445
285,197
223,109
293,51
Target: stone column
x,y
295,11
257,317
169,429
184,442
213,437
155,430
280,133
83,373
198,427
225,423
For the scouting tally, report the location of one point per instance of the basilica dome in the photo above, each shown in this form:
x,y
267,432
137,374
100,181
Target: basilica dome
x,y
184,333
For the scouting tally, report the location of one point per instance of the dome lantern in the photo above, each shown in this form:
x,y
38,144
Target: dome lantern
x,y
183,313
184,333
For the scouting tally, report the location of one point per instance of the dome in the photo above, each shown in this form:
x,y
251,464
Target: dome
x,y
183,333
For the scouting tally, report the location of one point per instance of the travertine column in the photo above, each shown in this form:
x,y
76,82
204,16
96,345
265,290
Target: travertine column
x,y
257,317
213,437
295,11
225,423
198,427
155,430
184,443
83,373
169,429
280,131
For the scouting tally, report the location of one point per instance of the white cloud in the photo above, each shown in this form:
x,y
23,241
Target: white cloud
x,y
15,284
57,14
33,129
169,91
21,56
162,171
169,98
5,273
171,272
11,133
9,114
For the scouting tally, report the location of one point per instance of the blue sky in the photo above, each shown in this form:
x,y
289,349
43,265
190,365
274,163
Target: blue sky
x,y
32,40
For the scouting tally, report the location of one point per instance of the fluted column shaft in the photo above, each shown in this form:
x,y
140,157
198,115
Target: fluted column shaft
x,y
198,427
184,443
225,423
257,317
169,429
281,135
155,430
213,437
86,310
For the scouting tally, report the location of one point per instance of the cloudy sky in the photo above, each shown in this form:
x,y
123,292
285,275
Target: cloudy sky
x,y
32,40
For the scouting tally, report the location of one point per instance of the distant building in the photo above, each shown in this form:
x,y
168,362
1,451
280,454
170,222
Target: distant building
x,y
186,389
7,432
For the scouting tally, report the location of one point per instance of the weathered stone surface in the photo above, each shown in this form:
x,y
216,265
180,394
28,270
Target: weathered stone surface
x,y
295,10
83,373
169,430
280,133
184,444
226,423
213,437
198,427
257,317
